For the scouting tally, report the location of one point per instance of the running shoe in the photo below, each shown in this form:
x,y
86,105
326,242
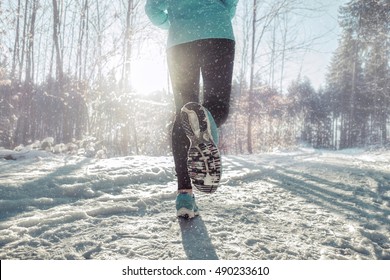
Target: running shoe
x,y
186,206
204,160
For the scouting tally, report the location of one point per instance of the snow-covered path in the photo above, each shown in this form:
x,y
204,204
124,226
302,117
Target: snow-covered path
x,y
304,204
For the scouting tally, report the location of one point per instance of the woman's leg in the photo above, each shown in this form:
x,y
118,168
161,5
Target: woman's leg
x,y
214,58
217,72
184,70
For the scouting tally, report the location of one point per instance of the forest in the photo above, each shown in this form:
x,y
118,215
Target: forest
x,y
65,79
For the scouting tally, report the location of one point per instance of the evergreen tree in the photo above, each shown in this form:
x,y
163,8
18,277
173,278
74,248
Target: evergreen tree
x,y
358,78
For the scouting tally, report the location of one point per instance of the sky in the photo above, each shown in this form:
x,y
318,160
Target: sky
x,y
150,71
316,63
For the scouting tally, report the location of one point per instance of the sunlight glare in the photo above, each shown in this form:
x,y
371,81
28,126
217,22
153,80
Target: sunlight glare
x,y
149,72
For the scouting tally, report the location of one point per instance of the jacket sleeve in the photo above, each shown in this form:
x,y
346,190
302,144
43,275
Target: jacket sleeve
x,y
231,5
156,10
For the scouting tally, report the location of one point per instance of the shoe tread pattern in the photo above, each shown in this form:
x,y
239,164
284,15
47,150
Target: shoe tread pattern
x,y
204,161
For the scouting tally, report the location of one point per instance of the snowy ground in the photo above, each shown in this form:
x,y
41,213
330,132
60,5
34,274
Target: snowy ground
x,y
304,204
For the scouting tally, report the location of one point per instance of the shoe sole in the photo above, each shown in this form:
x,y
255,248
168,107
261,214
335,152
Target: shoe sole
x,y
204,160
186,213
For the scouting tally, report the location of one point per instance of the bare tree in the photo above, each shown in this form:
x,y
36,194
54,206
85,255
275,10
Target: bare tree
x,y
16,42
56,40
127,46
30,44
273,40
260,26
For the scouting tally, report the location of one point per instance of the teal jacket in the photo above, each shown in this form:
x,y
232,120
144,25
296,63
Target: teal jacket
x,y
191,20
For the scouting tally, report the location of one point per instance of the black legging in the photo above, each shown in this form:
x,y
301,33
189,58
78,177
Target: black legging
x,y
213,58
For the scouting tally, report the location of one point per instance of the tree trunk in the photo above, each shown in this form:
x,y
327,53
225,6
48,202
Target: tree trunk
x,y
16,44
251,80
127,47
24,38
56,38
30,46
